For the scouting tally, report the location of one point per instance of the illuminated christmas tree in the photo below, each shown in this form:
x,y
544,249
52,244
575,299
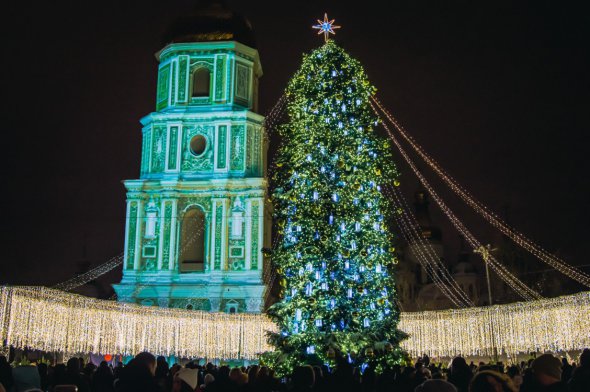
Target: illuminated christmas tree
x,y
335,256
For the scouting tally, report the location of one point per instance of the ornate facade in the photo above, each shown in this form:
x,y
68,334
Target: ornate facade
x,y
197,217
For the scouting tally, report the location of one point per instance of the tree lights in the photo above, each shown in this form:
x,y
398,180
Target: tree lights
x,y
335,251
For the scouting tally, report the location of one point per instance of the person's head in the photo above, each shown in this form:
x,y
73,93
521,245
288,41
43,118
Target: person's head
x,y
161,362
253,373
209,378
223,372
173,369
185,380
147,360
547,369
317,371
263,373
491,381
73,365
513,371
436,386
236,376
585,358
42,368
458,364
303,377
89,368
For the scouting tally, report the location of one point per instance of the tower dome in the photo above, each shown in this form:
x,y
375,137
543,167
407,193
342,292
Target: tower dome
x,y
211,21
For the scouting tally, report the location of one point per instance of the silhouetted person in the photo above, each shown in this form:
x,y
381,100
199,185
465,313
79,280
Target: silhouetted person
x,y
460,375
546,375
5,373
43,375
343,378
566,370
491,381
435,386
222,382
319,384
580,380
74,376
185,380
162,370
103,379
138,375
303,379
252,378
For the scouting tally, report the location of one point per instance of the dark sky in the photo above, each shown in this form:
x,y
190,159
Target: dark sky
x,y
498,92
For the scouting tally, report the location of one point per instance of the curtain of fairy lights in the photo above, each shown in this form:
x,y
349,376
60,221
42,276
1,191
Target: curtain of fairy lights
x,y
55,321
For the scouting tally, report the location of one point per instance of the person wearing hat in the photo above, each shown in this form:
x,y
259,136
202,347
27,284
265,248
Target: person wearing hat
x,y
547,374
185,380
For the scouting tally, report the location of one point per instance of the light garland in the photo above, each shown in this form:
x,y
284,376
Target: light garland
x,y
556,324
91,275
516,284
55,321
426,254
519,238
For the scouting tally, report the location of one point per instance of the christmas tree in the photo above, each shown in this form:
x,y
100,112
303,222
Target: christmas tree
x,y
335,256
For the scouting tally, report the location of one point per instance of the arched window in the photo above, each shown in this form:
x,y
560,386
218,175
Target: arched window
x,y
232,306
201,82
471,291
192,241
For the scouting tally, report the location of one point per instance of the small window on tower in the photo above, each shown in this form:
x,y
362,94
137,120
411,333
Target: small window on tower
x,y
201,82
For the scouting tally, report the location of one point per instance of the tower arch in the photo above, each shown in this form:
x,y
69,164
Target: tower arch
x,y
192,244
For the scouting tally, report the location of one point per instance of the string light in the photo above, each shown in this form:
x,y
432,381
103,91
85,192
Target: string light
x,y
519,238
91,275
426,255
516,284
556,324
55,321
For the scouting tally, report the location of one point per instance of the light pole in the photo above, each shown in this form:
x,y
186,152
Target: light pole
x,y
485,252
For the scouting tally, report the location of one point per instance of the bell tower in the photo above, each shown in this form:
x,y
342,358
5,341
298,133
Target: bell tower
x,y
197,218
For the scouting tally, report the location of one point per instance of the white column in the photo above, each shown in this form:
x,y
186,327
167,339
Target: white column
x,y
248,243
260,232
172,261
224,233
138,235
163,218
212,230
127,219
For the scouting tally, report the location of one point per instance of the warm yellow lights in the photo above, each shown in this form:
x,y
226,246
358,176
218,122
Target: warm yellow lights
x,y
51,320
555,324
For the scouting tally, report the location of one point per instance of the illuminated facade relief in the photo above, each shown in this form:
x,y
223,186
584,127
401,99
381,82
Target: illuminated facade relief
x,y
195,222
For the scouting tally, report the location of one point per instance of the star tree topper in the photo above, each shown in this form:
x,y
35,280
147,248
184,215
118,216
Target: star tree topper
x,y
326,26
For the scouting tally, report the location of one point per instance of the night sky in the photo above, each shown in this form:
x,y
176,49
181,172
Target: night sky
x,y
498,93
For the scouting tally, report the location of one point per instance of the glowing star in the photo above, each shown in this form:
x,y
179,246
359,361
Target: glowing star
x,y
326,26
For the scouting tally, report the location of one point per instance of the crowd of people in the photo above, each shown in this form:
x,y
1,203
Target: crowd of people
x,y
147,373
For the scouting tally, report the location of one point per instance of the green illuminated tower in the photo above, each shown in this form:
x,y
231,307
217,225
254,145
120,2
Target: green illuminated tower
x,y
196,218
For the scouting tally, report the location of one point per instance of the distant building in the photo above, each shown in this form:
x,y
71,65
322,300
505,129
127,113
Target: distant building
x,y
415,288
